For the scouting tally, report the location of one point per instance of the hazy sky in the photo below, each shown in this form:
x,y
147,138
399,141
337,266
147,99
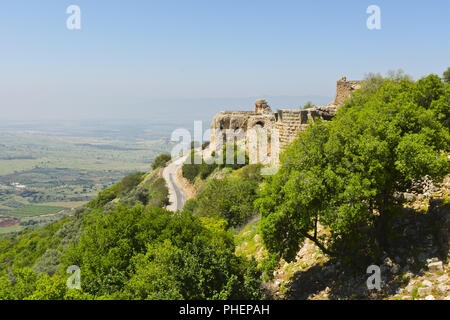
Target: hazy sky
x,y
131,58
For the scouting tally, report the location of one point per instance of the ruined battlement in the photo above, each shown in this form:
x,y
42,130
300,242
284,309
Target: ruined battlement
x,y
288,122
344,88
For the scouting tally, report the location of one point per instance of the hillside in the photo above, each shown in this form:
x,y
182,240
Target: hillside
x,y
370,187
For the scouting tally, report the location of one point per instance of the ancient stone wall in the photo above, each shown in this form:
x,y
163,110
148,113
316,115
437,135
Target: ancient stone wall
x,y
287,122
344,88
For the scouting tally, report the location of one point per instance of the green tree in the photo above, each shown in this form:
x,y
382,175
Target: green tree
x,y
191,167
446,75
24,283
49,288
308,105
229,198
344,174
129,182
161,160
150,253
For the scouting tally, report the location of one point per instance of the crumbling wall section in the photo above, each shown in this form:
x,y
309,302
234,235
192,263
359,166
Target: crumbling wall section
x,y
344,88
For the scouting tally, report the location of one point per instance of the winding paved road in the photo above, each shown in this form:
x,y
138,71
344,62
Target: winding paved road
x,y
177,196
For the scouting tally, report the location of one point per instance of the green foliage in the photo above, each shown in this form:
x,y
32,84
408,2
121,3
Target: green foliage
x,y
129,248
190,171
191,167
127,189
25,249
49,288
441,107
269,265
190,205
340,173
149,254
23,284
48,263
158,193
239,157
229,198
446,75
308,105
153,192
196,166
428,90
251,172
161,160
104,197
129,182
206,170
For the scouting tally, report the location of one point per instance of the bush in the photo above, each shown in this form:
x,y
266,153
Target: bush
x,y
195,166
104,197
251,172
190,206
161,160
446,75
158,193
229,198
48,263
190,171
150,254
308,105
129,182
206,169
238,154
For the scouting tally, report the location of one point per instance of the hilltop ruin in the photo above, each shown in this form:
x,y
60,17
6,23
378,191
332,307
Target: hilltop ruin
x,y
287,122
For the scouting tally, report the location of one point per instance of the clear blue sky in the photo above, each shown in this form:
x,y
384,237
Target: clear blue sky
x,y
132,57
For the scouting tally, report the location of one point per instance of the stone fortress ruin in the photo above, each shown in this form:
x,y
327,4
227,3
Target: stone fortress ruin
x,y
286,123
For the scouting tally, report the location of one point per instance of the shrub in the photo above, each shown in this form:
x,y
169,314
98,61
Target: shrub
x,y
251,172
446,75
104,197
206,169
229,198
195,166
48,263
129,182
161,160
158,193
190,171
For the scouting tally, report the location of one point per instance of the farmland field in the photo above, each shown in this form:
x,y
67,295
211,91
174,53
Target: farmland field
x,y
49,169
36,210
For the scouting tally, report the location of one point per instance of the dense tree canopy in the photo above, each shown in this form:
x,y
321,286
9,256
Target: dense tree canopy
x,y
344,174
128,248
161,160
447,75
